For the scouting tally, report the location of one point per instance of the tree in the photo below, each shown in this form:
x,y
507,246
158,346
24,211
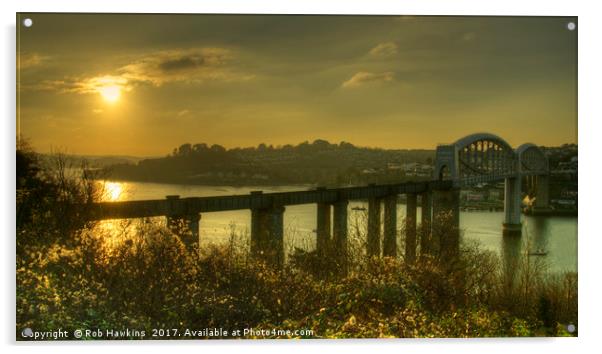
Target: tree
x,y
184,150
345,145
200,148
217,148
320,144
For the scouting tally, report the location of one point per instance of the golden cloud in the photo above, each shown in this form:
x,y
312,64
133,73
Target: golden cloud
x,y
83,86
384,50
27,60
361,78
191,65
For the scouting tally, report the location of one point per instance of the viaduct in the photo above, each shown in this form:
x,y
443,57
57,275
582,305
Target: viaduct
x,y
476,158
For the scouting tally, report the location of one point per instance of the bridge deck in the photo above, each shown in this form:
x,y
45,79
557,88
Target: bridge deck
x,y
195,205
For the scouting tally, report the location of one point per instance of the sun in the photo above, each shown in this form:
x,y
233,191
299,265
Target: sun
x,y
108,87
110,93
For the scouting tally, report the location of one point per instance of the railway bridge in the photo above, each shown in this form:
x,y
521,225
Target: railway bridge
x,y
477,158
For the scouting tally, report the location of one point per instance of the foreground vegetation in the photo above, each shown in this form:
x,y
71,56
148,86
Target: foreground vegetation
x,y
70,277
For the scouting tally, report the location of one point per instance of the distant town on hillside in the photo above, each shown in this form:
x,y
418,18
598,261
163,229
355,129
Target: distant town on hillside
x,y
317,163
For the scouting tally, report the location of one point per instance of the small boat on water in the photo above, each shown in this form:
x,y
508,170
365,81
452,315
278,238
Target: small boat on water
x,y
538,252
358,208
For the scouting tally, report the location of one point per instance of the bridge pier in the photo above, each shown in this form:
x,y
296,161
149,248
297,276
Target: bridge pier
x,y
323,221
542,196
390,227
446,224
530,184
193,221
425,223
339,231
512,207
186,226
373,238
267,234
173,218
174,223
410,244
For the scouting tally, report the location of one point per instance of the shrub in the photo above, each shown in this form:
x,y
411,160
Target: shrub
x,y
72,274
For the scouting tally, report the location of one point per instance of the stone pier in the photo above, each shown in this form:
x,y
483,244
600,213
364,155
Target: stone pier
x,y
323,229
267,234
183,223
410,228
425,223
542,196
512,207
390,227
446,224
193,221
373,239
339,232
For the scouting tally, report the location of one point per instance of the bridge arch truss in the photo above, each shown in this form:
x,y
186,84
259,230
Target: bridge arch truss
x,y
483,157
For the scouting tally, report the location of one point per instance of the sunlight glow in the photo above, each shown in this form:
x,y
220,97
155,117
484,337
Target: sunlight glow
x,y
113,191
108,87
110,93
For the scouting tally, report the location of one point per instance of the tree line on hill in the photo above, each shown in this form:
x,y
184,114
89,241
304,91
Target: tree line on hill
x,y
319,162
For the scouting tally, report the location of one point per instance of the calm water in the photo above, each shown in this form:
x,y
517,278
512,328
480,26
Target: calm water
x,y
556,235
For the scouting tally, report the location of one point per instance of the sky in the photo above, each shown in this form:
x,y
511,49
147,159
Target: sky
x,y
141,85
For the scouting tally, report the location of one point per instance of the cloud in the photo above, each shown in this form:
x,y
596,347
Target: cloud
x,y
384,50
27,60
190,65
159,68
84,85
362,78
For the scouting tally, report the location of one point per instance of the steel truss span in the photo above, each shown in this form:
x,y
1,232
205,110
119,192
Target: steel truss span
x,y
483,157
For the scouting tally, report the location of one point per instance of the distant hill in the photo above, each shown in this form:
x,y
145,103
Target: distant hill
x,y
319,162
92,161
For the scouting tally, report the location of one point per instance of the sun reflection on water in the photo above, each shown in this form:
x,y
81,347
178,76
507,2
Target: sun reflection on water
x,y
114,232
113,191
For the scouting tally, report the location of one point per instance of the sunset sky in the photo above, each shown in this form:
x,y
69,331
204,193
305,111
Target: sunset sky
x,y
144,84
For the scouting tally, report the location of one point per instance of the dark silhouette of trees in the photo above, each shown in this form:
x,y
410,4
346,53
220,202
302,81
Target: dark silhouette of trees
x,y
318,162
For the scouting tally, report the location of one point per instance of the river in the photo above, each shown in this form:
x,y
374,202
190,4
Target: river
x,y
555,235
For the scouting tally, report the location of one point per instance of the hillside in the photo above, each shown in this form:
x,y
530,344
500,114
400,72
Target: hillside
x,y
319,162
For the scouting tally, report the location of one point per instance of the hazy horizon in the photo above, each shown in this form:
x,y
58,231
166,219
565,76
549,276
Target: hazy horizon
x,y
141,85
